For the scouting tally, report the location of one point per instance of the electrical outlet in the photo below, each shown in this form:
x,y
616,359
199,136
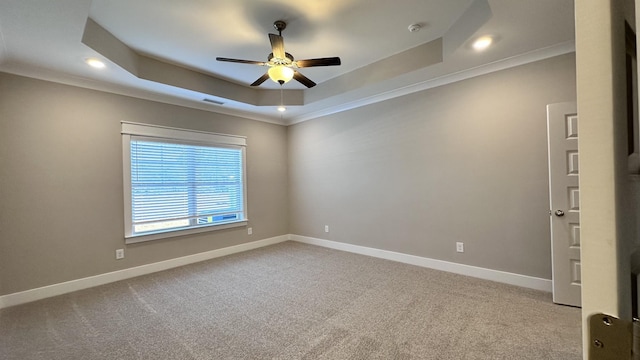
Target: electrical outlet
x,y
119,254
249,231
326,228
460,247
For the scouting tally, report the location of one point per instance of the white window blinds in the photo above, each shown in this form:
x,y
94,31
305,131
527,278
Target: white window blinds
x,y
176,183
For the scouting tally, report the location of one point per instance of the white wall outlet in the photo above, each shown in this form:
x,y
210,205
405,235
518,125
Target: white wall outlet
x,y
249,231
460,247
326,228
119,254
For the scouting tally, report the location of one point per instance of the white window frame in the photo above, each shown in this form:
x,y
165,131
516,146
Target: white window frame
x,y
131,129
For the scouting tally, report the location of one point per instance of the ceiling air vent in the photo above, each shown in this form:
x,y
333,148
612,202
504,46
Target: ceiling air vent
x,y
213,101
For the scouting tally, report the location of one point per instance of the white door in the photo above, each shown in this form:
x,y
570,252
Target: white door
x,y
564,197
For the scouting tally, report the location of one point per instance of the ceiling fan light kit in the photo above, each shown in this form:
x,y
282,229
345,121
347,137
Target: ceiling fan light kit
x,y
281,74
282,65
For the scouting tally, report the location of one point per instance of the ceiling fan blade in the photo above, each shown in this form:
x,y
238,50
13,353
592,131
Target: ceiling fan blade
x,y
277,46
261,79
331,61
252,62
303,79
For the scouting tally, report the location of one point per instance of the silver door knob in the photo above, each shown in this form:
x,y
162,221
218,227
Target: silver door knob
x,y
559,213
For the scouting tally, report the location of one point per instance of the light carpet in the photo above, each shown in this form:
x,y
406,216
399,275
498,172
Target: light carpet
x,y
294,301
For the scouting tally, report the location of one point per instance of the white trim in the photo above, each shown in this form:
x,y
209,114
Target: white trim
x,y
193,99
134,239
88,282
133,131
158,131
126,181
106,278
468,270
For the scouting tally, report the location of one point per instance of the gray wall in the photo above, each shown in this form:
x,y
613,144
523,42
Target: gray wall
x,y
61,201
462,162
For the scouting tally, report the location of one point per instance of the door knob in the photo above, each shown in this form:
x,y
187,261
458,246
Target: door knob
x,y
559,213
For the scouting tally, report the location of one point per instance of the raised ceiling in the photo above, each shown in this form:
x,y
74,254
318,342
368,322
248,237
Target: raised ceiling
x,y
165,50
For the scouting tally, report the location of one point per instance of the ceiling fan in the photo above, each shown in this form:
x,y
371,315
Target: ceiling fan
x,y
282,65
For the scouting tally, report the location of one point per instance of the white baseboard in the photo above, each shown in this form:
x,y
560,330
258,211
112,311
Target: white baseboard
x,y
85,283
473,271
88,282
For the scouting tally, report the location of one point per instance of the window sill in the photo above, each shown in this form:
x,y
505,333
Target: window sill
x,y
169,234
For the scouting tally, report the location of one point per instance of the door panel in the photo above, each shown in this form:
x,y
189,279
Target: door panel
x,y
562,130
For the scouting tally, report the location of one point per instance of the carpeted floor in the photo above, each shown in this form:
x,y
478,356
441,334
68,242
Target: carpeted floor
x,y
294,301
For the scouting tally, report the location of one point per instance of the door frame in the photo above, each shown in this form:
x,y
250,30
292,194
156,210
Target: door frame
x,y
607,211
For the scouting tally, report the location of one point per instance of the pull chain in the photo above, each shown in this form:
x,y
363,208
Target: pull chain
x,y
281,108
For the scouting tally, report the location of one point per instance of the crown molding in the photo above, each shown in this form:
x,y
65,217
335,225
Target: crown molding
x,y
503,64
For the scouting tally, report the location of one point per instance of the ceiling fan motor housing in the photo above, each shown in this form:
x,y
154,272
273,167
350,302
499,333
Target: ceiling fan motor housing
x,y
280,25
287,61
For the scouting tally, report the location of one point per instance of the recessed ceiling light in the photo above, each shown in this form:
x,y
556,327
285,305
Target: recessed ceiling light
x,y
282,108
482,43
93,62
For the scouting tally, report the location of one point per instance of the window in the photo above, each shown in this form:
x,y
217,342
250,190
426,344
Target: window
x,y
180,181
